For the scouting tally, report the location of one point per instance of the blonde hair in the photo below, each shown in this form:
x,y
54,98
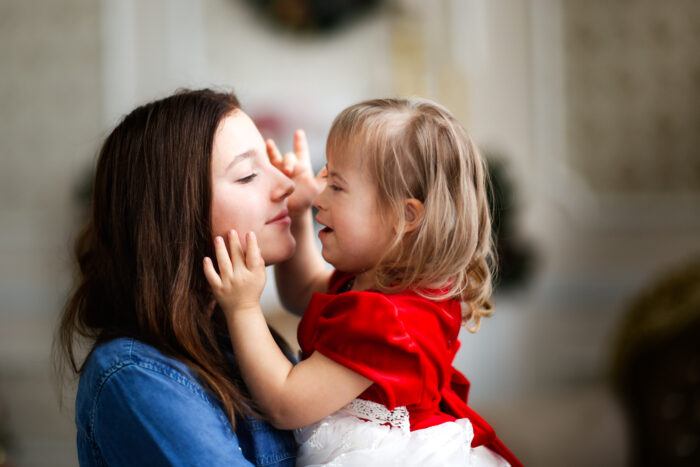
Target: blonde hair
x,y
415,148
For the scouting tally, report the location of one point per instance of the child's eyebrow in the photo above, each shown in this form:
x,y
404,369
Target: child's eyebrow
x,y
332,173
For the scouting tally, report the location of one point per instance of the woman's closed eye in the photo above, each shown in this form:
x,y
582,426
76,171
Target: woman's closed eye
x,y
334,187
247,179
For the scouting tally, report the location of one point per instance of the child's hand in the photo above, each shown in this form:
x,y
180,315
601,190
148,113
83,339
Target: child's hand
x,y
241,277
297,166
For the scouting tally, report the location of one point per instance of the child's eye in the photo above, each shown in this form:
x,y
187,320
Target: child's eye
x,y
247,179
335,187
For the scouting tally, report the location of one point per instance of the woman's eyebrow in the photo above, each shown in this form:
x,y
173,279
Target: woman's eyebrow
x,y
245,155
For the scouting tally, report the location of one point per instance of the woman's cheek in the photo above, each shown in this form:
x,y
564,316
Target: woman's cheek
x,y
226,212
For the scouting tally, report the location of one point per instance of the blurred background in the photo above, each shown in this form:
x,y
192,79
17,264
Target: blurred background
x,y
589,113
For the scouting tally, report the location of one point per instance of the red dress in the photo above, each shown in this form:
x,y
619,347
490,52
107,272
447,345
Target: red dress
x,y
405,344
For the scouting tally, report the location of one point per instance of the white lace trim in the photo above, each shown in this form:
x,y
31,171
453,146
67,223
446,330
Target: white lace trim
x,y
378,413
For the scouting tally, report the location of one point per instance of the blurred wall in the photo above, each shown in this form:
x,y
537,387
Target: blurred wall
x,y
50,108
51,94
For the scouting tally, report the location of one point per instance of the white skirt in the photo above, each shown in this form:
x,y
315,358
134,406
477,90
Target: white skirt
x,y
365,433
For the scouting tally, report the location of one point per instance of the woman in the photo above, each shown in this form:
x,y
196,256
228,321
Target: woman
x,y
158,386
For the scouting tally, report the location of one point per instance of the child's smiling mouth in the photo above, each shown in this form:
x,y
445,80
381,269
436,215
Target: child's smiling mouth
x,y
325,228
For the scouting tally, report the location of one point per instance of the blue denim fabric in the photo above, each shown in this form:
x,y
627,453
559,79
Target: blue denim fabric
x,y
136,406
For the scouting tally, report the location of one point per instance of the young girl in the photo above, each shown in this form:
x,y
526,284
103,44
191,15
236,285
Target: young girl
x,y
407,229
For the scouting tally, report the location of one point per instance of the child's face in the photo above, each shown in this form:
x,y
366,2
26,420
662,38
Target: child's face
x,y
355,235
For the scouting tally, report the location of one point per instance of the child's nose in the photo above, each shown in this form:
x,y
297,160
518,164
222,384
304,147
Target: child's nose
x,y
319,201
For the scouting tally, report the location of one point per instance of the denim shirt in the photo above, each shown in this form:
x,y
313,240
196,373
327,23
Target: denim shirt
x,y
136,406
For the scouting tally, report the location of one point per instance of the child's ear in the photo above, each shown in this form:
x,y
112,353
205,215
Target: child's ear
x,y
413,210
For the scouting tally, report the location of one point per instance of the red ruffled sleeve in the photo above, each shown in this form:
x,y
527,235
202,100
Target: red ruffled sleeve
x,y
362,331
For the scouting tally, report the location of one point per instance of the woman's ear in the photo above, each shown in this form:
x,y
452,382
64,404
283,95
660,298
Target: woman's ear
x,y
413,211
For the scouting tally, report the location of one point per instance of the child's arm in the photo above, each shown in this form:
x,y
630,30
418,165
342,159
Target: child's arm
x,y
305,272
290,396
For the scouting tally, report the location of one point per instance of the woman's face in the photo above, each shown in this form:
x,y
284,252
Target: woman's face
x,y
248,193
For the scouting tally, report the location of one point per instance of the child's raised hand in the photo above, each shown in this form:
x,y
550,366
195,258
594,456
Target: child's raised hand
x,y
241,278
297,166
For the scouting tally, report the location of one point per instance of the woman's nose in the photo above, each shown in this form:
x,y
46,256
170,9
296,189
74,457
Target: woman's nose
x,y
283,188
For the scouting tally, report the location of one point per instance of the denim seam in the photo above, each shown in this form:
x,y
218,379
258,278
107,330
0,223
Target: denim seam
x,y
186,382
256,425
93,410
273,458
171,373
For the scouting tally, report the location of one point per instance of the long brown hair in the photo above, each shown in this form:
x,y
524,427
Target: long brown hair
x,y
140,254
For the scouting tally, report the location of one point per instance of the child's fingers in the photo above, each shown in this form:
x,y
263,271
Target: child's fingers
x,y
236,250
301,146
253,259
210,273
222,258
290,162
273,153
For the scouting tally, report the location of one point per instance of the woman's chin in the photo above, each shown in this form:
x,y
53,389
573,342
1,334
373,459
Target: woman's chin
x,y
280,251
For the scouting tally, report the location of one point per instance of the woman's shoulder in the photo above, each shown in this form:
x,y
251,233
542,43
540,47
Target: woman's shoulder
x,y
111,356
133,397
127,350
118,358
128,365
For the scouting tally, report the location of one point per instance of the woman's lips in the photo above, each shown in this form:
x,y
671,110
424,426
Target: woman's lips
x,y
281,218
282,221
